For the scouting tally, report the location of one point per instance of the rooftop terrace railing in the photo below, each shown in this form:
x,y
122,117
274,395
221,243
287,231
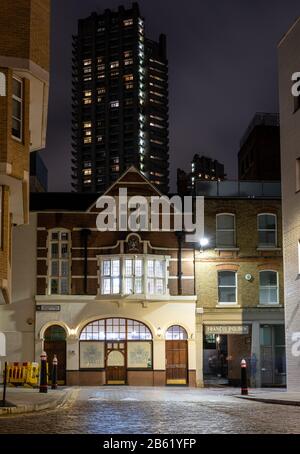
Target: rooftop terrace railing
x,y
239,189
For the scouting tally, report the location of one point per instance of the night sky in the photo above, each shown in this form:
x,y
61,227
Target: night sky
x,y
222,69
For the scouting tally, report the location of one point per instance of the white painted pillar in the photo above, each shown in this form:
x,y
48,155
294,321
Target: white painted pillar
x,y
72,347
199,351
159,354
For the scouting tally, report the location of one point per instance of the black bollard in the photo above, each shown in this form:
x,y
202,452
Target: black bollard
x,y
43,374
54,373
4,384
244,381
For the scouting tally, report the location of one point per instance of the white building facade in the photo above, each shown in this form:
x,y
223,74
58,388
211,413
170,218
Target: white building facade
x,y
289,64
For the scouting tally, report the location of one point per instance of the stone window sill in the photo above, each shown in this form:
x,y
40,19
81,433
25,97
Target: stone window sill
x,y
229,305
227,249
268,249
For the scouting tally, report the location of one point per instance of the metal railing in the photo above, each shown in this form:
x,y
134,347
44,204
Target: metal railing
x,y
239,189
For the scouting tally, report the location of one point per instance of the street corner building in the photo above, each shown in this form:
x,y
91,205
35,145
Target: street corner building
x,y
24,85
115,307
239,284
289,64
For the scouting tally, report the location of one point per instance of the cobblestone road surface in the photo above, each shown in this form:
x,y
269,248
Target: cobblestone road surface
x,y
158,410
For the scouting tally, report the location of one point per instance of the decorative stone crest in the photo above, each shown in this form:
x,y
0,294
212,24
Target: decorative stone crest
x,y
133,243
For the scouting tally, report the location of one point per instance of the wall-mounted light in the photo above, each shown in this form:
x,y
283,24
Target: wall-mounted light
x,y
72,332
159,332
203,242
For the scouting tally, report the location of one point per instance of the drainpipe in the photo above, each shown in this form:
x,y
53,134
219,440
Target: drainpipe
x,y
85,233
179,261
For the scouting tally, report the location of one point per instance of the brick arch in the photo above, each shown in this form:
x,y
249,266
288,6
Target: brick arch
x,y
271,266
267,210
226,210
227,267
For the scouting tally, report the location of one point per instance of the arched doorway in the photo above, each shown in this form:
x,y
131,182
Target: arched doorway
x,y
176,356
55,344
116,346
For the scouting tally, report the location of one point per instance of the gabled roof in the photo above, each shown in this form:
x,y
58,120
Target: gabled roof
x,y
135,183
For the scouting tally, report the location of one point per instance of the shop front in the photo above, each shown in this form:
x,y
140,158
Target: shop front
x,y
224,347
260,344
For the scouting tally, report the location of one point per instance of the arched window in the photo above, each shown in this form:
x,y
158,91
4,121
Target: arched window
x,y
55,333
268,287
225,230
227,286
59,262
267,230
115,329
176,332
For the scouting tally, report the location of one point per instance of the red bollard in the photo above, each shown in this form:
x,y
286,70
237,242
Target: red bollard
x,y
244,380
43,374
54,373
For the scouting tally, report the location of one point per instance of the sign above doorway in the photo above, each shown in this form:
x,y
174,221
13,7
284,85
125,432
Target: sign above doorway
x,y
227,329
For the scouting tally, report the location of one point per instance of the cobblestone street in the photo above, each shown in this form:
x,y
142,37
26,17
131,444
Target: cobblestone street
x,y
124,410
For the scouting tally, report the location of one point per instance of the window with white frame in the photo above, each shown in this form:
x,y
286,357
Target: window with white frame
x,y
225,230
156,276
267,230
17,108
133,274
59,262
227,287
268,287
110,276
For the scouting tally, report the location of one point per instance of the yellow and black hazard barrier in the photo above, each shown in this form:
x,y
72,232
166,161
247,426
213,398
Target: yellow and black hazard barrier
x,y
22,374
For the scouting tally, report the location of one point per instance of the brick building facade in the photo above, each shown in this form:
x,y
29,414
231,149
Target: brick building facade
x,y
24,85
120,296
239,286
24,80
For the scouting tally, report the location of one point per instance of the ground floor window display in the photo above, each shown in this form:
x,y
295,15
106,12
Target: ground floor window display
x,y
225,346
116,345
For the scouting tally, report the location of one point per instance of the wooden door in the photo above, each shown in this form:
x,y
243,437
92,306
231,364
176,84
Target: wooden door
x,y
57,348
176,362
116,363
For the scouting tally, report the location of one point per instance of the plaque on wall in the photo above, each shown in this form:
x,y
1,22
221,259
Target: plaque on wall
x,y
91,355
139,355
48,308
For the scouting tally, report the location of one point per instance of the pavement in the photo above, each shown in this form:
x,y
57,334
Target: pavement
x,y
278,396
28,400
